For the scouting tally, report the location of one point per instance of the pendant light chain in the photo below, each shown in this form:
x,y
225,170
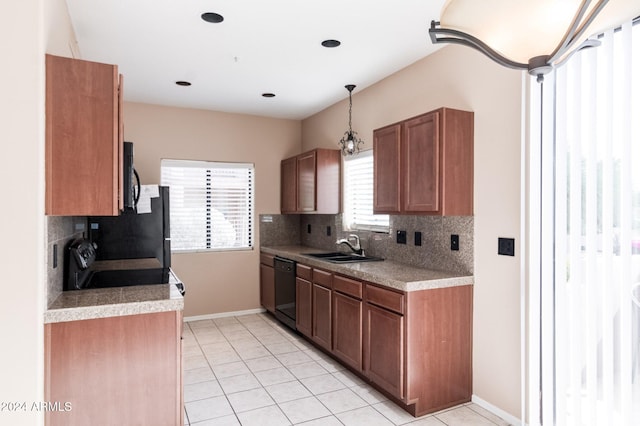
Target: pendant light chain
x,y
350,106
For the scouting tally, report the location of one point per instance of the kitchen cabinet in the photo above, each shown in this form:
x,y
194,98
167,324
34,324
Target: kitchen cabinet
x,y
84,138
304,297
438,339
115,370
347,321
384,343
386,165
414,346
289,185
424,165
267,283
310,182
321,324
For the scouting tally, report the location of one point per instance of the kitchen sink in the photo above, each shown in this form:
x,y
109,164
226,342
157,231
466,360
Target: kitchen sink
x,y
339,257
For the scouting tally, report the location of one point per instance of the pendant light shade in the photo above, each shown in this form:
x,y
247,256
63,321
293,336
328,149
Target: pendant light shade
x,y
526,34
350,142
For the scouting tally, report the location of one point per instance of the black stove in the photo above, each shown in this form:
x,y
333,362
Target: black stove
x,y
127,277
81,273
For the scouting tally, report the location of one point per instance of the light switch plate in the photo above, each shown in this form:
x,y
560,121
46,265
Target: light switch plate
x,y
506,246
455,242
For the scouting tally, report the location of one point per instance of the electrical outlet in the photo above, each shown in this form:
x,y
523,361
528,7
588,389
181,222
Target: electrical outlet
x,y
506,246
401,237
308,228
417,238
455,242
328,231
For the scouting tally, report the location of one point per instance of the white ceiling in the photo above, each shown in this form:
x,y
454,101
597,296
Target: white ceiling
x,y
261,46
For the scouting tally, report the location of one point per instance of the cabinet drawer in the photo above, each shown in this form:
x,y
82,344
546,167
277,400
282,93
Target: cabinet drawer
x,y
303,271
385,298
322,278
266,259
347,286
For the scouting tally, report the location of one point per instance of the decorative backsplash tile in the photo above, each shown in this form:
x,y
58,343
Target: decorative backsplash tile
x,y
322,231
279,229
60,230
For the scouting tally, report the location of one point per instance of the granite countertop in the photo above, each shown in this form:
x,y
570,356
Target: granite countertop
x,y
117,301
387,273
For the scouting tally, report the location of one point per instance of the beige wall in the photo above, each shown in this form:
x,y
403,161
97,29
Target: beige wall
x,y
28,29
461,78
216,281
22,225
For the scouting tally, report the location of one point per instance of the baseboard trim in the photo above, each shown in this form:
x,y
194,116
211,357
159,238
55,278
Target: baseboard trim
x,y
495,410
224,314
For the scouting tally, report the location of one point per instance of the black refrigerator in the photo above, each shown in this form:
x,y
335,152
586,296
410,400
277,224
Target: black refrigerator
x,y
134,235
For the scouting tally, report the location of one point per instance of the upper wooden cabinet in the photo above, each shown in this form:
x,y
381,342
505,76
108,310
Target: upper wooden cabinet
x,y
289,185
310,182
424,165
83,138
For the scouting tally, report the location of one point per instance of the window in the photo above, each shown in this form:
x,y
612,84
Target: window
x,y
358,195
589,213
211,204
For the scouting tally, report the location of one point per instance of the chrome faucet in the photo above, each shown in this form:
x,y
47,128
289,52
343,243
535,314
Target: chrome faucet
x,y
355,247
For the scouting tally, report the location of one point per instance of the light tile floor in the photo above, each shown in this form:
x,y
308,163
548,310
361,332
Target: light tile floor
x,y
251,370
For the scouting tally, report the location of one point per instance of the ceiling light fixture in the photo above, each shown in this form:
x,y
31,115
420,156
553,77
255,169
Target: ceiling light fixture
x,y
536,36
183,83
214,18
331,43
350,143
268,95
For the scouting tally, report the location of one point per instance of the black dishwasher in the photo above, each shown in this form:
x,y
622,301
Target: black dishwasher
x,y
285,289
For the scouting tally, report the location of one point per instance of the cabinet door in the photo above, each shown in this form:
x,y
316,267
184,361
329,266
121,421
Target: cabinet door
x,y
386,169
83,143
421,155
307,182
384,349
289,185
322,316
347,329
267,288
130,362
303,306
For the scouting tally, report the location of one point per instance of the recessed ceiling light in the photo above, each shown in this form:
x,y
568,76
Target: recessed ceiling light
x,y
214,18
268,95
183,83
331,43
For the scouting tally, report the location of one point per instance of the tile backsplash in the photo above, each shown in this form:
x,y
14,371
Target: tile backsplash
x,y
60,230
434,253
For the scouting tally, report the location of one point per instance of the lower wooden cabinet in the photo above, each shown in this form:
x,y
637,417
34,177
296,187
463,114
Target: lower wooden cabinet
x,y
116,370
347,329
303,306
413,346
321,316
384,349
267,283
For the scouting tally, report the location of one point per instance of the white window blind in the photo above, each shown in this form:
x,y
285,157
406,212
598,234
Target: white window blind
x,y
211,204
591,316
358,195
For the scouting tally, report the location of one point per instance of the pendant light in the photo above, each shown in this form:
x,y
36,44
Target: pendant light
x,y
350,143
536,36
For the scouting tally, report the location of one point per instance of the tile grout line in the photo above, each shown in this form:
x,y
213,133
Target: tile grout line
x,y
302,348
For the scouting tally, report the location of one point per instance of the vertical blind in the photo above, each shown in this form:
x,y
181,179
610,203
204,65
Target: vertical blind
x,y
211,204
592,344
358,195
